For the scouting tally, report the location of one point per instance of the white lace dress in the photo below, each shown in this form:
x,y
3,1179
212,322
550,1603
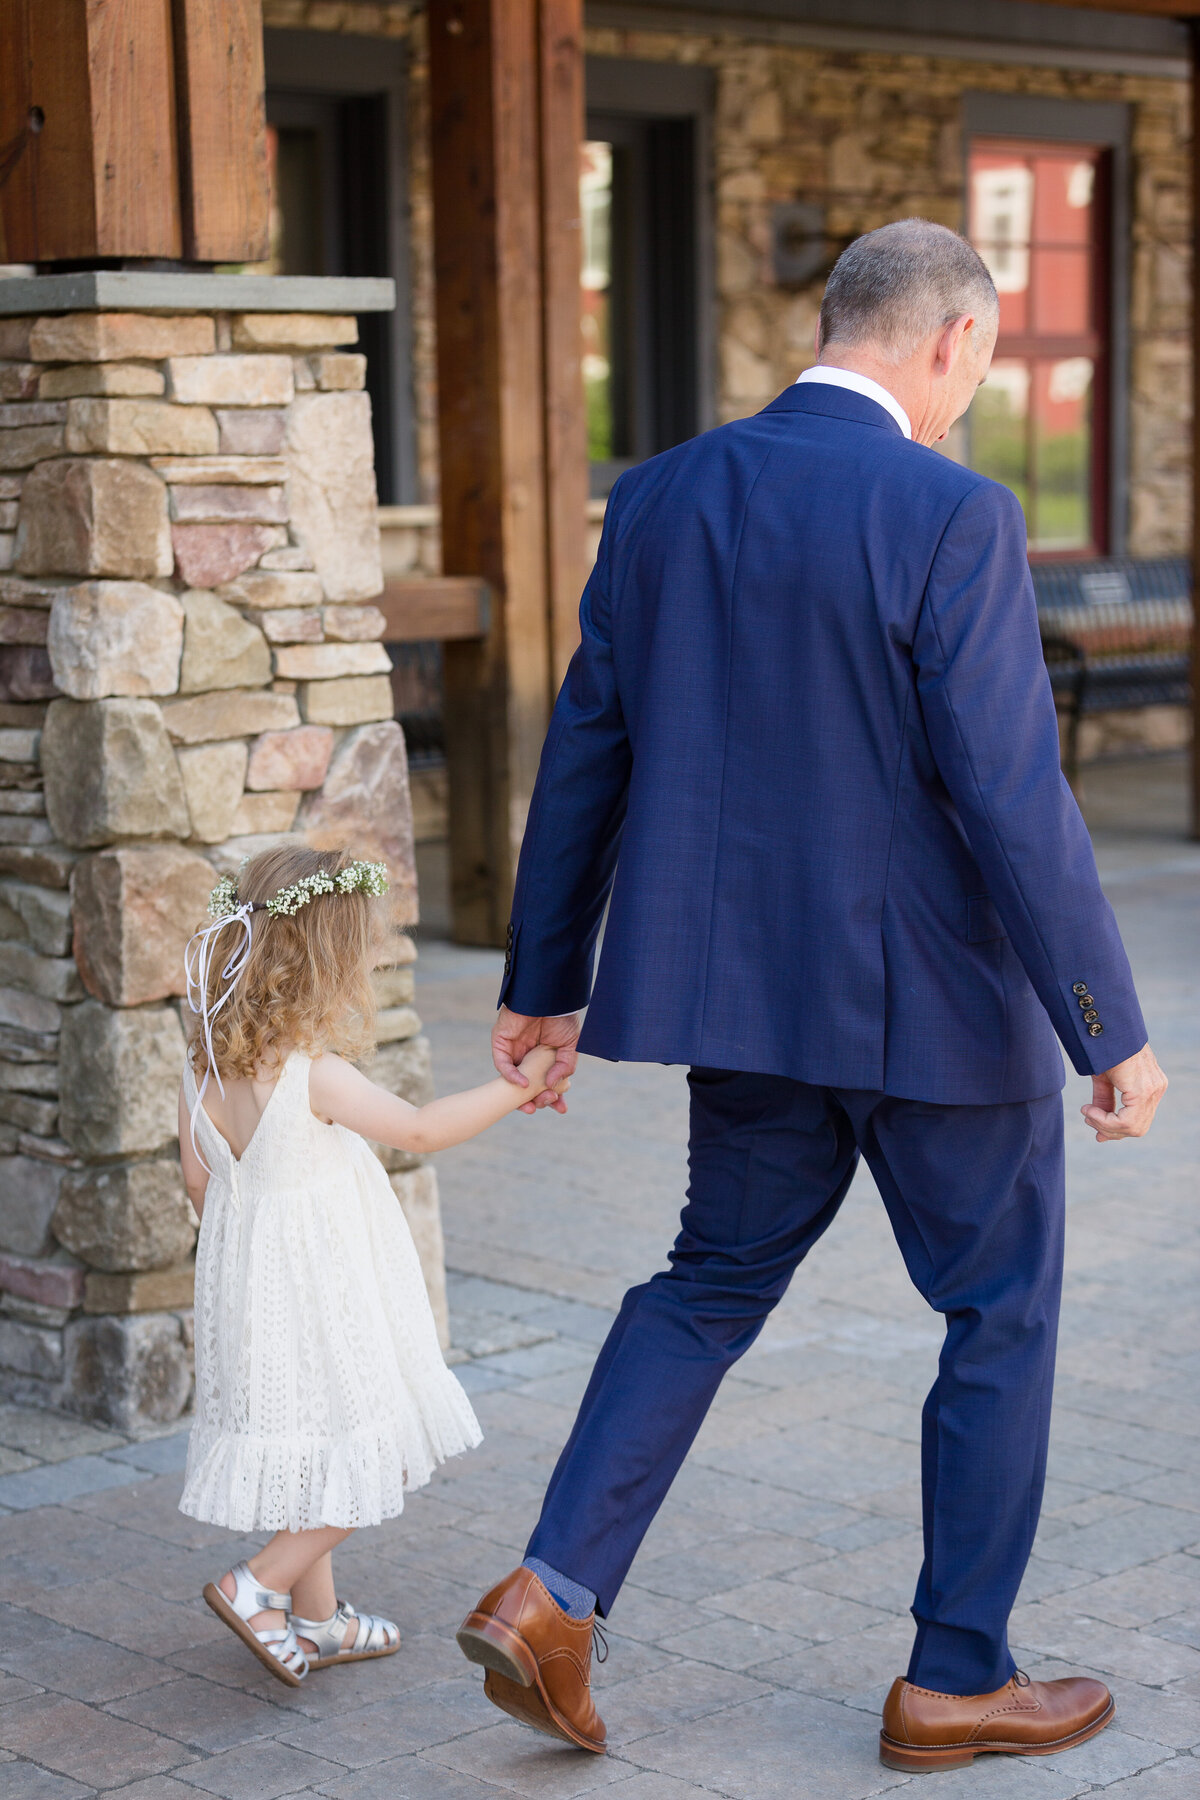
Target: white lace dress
x,y
321,1393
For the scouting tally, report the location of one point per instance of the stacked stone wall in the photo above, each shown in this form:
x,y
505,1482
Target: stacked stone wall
x,y
190,668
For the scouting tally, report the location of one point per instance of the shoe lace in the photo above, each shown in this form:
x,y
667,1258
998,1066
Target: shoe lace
x,y
1020,1677
599,1642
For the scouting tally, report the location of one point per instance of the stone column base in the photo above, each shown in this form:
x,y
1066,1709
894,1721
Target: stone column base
x,y
190,670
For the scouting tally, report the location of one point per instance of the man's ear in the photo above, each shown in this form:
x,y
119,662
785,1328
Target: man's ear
x,y
953,340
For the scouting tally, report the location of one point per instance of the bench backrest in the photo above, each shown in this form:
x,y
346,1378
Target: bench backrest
x,y
1116,604
1111,581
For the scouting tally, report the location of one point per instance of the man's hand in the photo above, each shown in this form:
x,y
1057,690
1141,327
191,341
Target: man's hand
x,y
514,1036
1141,1085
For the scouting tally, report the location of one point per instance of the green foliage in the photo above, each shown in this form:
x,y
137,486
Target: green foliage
x,y
598,398
1058,506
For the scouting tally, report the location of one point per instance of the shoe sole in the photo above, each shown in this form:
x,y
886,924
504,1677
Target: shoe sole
x,y
514,1682
215,1599
923,1759
348,1656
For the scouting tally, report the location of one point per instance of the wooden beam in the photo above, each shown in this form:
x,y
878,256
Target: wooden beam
x,y
491,176
88,142
434,608
222,129
1155,9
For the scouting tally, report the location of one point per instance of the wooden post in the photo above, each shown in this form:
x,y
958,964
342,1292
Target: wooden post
x,y
562,124
91,167
507,145
222,129
87,144
1194,25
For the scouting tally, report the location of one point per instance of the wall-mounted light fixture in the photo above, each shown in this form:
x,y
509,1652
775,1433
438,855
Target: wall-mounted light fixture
x,y
800,247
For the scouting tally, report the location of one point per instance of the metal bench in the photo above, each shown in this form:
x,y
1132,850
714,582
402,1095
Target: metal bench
x,y
1116,635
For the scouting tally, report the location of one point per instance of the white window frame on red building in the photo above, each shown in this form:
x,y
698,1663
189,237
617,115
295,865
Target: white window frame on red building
x,y
1017,120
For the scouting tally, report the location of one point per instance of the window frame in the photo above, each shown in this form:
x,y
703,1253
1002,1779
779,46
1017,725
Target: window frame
x,y
1103,125
637,95
1031,348
308,73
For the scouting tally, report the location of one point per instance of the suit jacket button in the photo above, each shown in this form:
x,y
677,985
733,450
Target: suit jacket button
x,y
1085,1000
1080,987
1096,1029
1090,1017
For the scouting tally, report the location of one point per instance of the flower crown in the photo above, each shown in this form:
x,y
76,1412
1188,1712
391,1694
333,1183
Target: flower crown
x,y
355,878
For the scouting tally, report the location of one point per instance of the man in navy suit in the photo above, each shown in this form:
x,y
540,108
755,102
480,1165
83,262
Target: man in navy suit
x,y
807,753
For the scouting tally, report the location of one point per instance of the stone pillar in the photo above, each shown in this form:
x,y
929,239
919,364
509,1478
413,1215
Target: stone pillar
x,y
190,669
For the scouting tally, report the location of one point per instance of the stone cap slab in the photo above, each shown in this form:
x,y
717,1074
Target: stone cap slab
x,y
171,291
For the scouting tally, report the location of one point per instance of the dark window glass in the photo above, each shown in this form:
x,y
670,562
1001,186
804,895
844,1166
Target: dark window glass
x,y
327,159
639,289
294,160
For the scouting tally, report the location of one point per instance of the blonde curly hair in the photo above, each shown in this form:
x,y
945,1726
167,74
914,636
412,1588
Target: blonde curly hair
x,y
306,984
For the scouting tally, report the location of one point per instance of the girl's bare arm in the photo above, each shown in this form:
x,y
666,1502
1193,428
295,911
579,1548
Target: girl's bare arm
x,y
195,1175
339,1093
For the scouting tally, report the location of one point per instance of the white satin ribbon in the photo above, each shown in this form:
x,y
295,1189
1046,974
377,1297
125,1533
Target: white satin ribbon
x,y
197,966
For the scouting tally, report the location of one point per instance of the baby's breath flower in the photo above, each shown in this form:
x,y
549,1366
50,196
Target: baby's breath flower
x,y
224,898
356,878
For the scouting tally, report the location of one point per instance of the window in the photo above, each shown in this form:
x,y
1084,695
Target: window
x,y
327,160
639,289
336,145
1038,216
645,277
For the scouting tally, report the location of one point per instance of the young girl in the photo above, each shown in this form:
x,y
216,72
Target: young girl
x,y
321,1393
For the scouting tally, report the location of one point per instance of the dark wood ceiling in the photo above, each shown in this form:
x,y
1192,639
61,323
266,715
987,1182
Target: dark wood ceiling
x,y
1158,9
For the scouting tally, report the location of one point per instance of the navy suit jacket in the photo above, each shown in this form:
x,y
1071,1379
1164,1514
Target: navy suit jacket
x,y
808,742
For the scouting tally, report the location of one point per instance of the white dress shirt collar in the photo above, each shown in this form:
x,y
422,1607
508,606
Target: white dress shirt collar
x,y
859,384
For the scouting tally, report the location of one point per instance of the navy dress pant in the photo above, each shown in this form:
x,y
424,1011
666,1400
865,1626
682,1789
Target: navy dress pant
x,y
975,1195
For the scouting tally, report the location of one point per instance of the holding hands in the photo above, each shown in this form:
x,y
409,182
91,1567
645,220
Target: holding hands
x,y
514,1036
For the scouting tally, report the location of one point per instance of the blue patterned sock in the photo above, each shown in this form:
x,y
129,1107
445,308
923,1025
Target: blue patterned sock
x,y
576,1601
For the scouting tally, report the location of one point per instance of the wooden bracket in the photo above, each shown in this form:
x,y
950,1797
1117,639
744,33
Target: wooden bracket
x,y
435,608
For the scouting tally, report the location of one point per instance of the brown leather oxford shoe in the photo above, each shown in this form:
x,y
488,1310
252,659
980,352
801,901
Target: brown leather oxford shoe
x,y
538,1660
923,1730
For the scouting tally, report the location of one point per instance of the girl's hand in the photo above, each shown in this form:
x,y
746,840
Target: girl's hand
x,y
515,1034
340,1094
535,1067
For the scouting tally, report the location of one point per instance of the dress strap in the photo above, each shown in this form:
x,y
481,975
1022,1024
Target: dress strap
x,y
291,1085
290,1070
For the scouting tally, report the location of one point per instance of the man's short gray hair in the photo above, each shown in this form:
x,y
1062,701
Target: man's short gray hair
x,y
892,288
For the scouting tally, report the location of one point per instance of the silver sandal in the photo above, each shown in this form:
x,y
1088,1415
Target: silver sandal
x,y
278,1650
346,1636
